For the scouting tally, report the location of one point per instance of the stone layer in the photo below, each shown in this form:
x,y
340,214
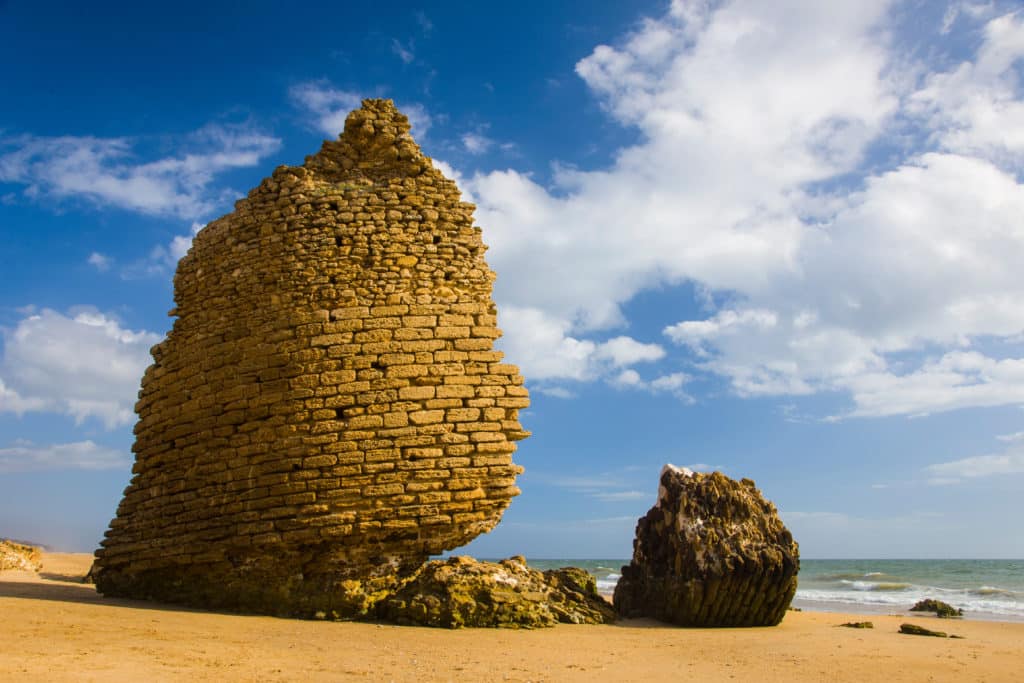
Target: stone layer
x,y
329,404
711,552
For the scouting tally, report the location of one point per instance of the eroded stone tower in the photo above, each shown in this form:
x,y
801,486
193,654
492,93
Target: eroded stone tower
x,y
328,406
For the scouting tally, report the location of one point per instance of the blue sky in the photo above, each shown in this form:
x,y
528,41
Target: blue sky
x,y
783,240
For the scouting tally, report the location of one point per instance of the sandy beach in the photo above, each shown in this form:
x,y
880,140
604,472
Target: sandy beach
x,y
58,629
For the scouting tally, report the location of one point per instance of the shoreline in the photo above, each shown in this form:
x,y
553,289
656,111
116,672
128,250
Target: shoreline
x,y
58,629
867,609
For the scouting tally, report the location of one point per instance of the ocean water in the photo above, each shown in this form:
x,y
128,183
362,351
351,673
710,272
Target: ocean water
x,y
984,589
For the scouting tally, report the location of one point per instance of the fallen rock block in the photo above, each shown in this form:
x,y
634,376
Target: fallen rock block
x,y
463,592
711,552
858,624
913,630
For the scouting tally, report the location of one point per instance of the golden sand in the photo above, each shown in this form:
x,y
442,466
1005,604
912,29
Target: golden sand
x,y
53,628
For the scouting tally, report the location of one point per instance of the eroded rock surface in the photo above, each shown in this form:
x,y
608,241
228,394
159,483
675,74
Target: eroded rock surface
x,y
711,552
462,591
19,557
328,409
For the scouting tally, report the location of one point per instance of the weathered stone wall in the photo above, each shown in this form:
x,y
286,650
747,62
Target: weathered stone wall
x,y
328,404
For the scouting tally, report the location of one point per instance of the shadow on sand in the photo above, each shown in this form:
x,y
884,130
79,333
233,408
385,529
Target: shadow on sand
x,y
68,588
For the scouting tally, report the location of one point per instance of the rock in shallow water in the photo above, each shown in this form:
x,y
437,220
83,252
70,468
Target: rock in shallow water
x,y
711,552
462,591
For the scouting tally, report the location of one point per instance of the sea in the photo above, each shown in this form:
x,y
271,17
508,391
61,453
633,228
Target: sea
x,y
984,589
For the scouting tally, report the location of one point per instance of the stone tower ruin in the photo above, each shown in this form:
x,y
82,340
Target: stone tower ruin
x,y
328,409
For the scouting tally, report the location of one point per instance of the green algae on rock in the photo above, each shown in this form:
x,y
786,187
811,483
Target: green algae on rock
x,y
711,552
941,609
463,592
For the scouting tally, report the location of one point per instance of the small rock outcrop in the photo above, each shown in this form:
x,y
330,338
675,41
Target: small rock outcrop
x,y
19,557
915,630
858,624
941,609
462,592
329,409
711,552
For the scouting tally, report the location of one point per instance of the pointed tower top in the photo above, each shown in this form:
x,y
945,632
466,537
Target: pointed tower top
x,y
375,143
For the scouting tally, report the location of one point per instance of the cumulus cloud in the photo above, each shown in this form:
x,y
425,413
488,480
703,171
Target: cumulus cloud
x,y
1009,462
329,106
84,365
25,456
831,267
546,352
100,262
108,171
476,143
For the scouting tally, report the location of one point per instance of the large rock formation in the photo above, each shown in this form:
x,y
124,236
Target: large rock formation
x,y
711,552
328,409
462,591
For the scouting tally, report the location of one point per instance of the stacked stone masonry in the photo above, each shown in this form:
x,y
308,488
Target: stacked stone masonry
x,y
329,405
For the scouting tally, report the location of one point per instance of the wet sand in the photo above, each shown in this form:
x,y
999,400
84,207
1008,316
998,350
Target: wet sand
x,y
57,629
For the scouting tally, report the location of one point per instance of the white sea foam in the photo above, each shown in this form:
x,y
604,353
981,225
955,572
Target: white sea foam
x,y
903,599
606,584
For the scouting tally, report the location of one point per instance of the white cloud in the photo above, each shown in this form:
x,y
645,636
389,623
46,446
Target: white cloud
x,y
84,455
162,258
545,351
956,380
975,108
100,262
1016,436
553,391
835,270
476,143
330,106
403,52
107,171
1008,462
608,487
621,496
84,365
622,351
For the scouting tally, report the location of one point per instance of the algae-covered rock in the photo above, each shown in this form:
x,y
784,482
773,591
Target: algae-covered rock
x,y
858,624
941,609
711,552
462,591
19,556
914,630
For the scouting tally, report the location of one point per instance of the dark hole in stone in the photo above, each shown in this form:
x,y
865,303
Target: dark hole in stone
x,y
447,276
437,239
295,467
338,241
376,365
339,413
